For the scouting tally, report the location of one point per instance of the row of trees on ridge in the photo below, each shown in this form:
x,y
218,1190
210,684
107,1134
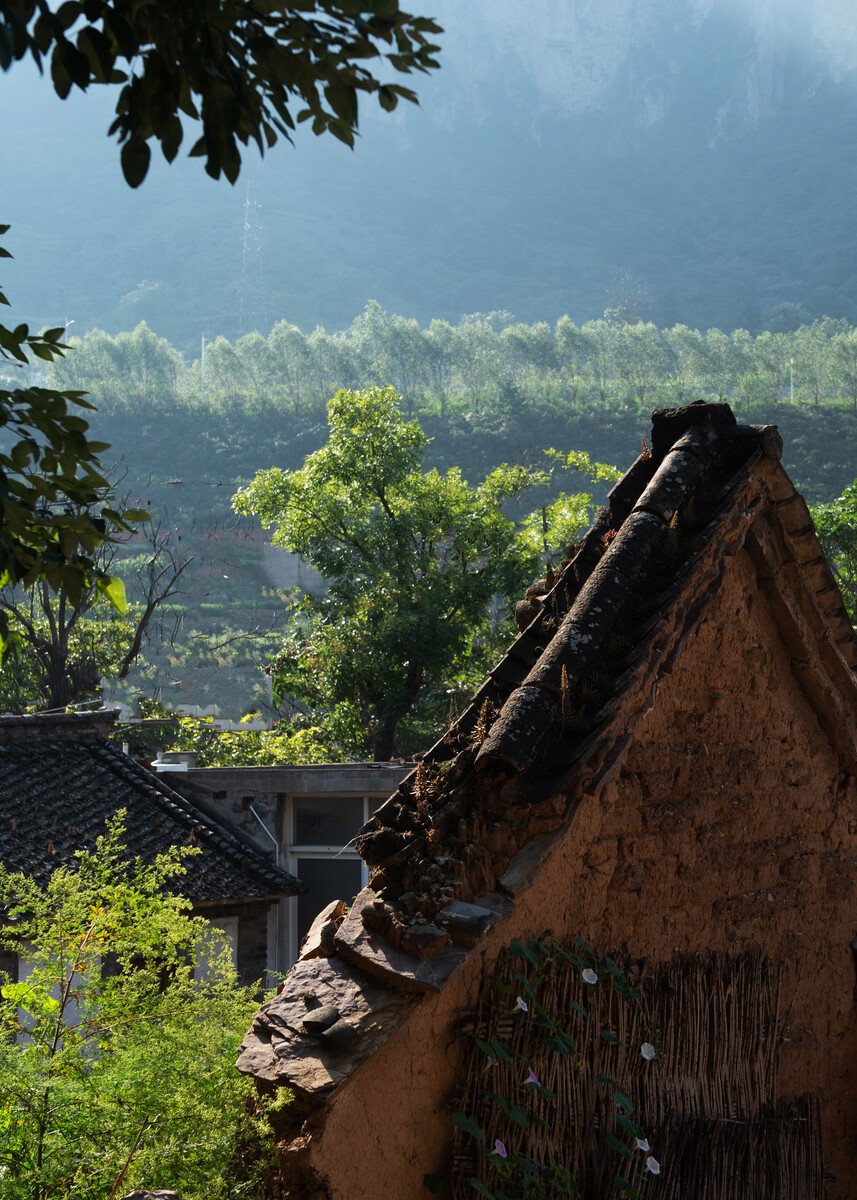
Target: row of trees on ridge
x,y
483,362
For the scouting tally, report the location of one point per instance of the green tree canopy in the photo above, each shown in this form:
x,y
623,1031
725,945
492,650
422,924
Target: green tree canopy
x,y
413,560
242,70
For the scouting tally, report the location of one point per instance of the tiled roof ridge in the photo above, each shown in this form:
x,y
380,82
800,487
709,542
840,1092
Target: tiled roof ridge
x,y
555,596
240,850
631,544
23,726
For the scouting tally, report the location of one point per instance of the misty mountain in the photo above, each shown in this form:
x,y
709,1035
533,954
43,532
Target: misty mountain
x,y
680,160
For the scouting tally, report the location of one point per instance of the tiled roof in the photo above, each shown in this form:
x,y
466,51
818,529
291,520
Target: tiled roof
x,y
60,780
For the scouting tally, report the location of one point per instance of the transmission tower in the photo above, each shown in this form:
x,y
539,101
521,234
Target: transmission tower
x,y
252,300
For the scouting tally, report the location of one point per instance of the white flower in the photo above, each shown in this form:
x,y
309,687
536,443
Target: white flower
x,y
589,976
648,1051
653,1165
642,1144
521,1003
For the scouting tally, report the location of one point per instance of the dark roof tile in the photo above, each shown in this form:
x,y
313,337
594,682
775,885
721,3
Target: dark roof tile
x,y
61,780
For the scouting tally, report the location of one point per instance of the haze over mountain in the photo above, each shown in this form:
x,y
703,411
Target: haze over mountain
x,y
680,160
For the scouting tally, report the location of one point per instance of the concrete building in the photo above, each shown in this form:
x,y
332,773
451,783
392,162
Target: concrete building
x,y
306,818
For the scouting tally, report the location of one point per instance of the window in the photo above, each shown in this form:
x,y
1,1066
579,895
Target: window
x,y
319,835
222,934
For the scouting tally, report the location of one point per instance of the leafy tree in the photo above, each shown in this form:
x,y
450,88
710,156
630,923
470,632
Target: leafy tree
x,y
50,482
116,1050
134,369
814,358
287,743
836,525
572,350
244,71
641,360
62,650
413,560
719,363
845,363
61,655
290,367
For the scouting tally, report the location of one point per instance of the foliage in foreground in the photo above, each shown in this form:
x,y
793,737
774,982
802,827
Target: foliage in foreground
x,y
116,1062
50,481
243,72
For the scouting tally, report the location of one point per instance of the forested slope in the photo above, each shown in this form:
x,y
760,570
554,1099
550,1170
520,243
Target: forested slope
x,y
486,390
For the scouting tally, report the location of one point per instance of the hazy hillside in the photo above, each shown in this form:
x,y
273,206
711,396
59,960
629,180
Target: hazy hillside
x,y
688,161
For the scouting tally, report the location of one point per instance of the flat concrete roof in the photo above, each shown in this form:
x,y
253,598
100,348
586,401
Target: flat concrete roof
x,y
330,778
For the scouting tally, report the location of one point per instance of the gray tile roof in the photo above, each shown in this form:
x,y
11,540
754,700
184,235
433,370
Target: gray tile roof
x,y
60,780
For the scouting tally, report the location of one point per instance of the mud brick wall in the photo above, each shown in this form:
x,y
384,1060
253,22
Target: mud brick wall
x,y
728,826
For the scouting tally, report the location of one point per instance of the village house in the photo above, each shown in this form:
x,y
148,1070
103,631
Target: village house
x,y
61,780
663,764
308,815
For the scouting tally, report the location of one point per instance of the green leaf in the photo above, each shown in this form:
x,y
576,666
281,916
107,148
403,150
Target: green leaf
x,y
135,157
607,1035
485,1048
541,951
33,998
521,951
619,1147
468,1124
501,1050
512,1111
629,1126
113,590
625,1185
480,1187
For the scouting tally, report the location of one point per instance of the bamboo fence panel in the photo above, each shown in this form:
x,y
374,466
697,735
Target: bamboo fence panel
x,y
707,1103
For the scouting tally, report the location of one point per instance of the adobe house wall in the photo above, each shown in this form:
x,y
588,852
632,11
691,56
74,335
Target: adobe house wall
x,y
727,826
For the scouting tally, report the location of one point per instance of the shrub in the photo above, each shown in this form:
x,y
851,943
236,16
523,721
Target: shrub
x,y
118,1042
